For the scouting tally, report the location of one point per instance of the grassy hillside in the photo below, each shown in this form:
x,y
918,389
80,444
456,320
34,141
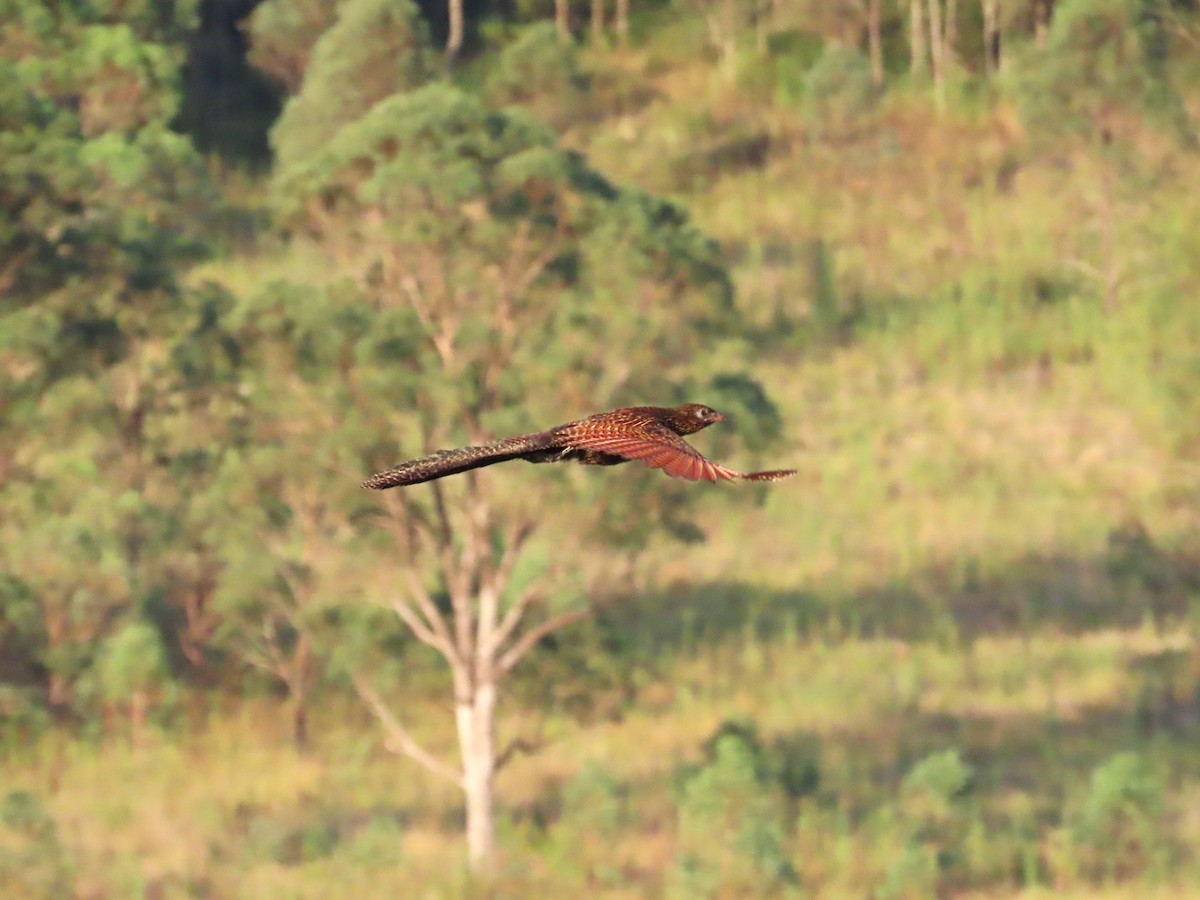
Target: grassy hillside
x,y
956,656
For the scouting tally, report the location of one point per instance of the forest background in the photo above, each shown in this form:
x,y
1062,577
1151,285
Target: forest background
x,y
941,256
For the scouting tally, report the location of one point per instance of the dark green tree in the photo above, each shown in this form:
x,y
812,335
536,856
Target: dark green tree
x,y
541,73
284,505
731,817
374,49
935,813
282,34
1118,826
134,675
33,859
1102,67
104,201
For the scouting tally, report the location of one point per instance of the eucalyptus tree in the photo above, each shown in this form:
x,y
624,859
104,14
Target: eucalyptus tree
x,y
373,49
281,510
497,283
103,201
282,34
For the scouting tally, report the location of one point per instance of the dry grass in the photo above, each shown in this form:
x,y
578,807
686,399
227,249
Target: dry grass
x,y
209,808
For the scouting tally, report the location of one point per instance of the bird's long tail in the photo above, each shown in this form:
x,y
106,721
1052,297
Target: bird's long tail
x,y
773,475
451,462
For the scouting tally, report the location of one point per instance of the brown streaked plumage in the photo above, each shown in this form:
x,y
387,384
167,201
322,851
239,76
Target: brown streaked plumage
x,y
653,434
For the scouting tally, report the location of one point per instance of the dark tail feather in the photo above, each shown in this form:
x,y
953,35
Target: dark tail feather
x,y
451,462
773,475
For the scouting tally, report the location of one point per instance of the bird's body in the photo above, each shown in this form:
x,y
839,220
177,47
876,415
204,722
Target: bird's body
x,y
653,434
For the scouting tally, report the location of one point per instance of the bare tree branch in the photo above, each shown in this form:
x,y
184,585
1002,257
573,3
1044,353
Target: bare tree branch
x,y
517,538
529,639
435,621
398,738
511,619
1178,26
12,268
420,628
518,746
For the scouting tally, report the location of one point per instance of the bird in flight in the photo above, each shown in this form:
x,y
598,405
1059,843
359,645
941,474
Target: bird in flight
x,y
653,434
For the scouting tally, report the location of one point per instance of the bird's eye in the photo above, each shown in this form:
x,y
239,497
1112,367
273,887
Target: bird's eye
x,y
703,412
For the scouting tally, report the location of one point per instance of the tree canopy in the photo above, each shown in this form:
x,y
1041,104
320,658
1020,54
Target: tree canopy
x,y
373,50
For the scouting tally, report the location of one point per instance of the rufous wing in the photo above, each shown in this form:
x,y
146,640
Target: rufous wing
x,y
663,449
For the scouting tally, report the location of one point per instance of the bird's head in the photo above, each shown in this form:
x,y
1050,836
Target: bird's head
x,y
691,417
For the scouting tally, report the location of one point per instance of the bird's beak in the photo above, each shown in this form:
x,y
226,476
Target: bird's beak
x,y
718,417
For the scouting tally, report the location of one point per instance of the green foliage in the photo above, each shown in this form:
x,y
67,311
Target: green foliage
x,y
129,539
279,511
105,200
23,714
377,48
1102,66
595,810
289,839
838,92
375,841
57,19
77,589
100,190
934,815
33,861
541,73
579,672
594,801
1118,828
731,832
796,762
744,401
282,34
132,659
791,56
935,785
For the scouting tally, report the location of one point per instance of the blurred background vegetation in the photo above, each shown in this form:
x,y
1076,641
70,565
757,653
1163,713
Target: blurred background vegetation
x,y
943,257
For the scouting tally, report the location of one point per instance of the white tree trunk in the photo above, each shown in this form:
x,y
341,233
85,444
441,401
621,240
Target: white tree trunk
x,y
875,40
454,40
764,15
918,58
1041,20
937,52
477,740
562,20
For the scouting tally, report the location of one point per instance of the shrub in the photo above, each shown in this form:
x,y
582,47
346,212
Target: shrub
x,y
376,48
540,72
838,91
1117,829
731,823
933,815
33,861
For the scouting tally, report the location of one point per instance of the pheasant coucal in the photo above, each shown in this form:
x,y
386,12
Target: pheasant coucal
x,y
652,434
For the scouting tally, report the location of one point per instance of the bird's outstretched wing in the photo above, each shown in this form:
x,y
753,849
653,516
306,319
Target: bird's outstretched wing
x,y
451,462
659,448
